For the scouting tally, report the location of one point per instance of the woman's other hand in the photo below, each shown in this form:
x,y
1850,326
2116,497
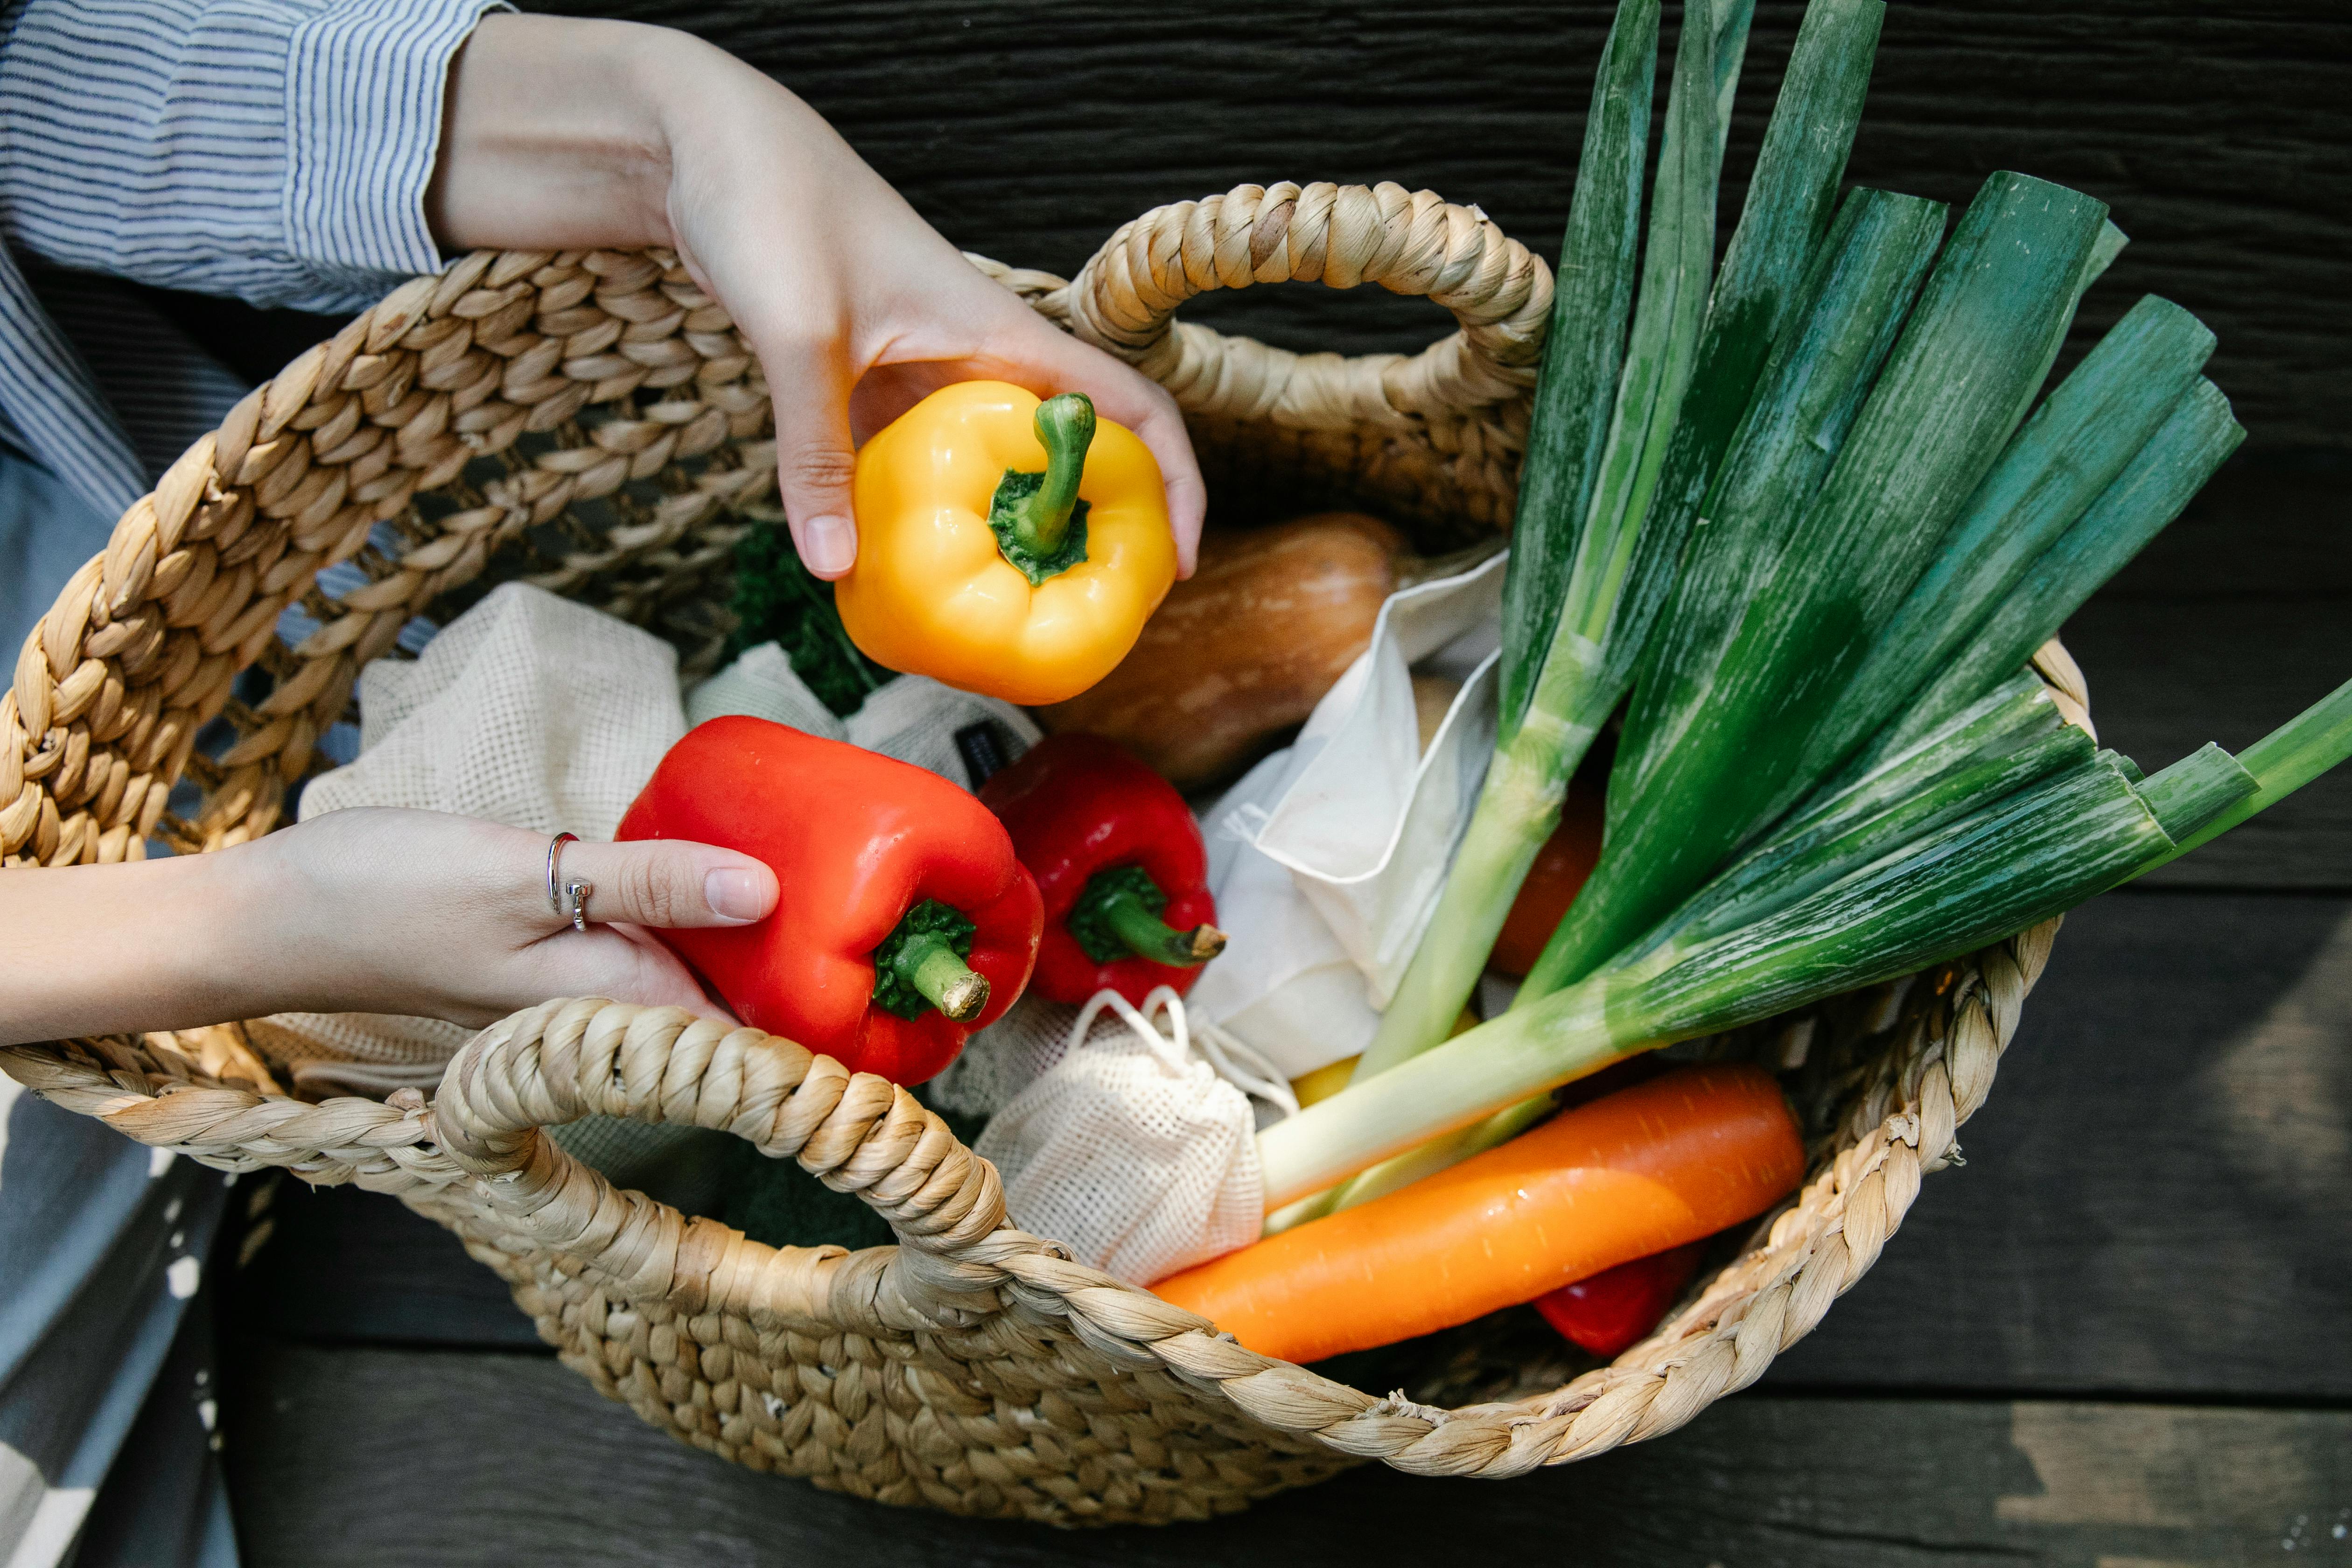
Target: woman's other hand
x,y
563,133
371,911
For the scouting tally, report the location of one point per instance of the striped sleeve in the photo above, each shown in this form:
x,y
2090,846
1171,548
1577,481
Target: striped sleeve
x,y
276,150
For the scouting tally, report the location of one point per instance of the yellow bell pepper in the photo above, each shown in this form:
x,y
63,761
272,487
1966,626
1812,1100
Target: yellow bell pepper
x,y
1004,545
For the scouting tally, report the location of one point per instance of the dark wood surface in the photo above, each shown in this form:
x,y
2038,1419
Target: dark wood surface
x,y
2222,136
387,1458
391,1459
2119,1337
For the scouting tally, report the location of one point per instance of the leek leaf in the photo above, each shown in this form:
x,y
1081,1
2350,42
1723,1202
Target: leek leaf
x,y
1854,298
2195,790
1592,298
2281,763
2071,449
1976,345
2160,480
2014,738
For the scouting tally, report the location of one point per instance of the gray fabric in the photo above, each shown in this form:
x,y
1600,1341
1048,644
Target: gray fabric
x,y
167,1501
102,1246
46,532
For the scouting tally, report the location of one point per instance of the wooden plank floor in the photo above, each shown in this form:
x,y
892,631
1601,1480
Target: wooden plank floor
x,y
2119,1337
382,1458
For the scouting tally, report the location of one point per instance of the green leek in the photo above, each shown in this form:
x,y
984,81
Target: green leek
x,y
2022,859
2013,862
1973,352
1675,414
1592,298
2160,480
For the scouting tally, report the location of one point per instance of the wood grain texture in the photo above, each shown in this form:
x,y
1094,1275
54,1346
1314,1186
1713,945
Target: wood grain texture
x,y
438,1469
2153,1198
2221,136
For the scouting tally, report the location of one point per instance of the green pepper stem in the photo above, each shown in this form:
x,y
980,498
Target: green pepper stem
x,y
929,964
1065,424
1146,935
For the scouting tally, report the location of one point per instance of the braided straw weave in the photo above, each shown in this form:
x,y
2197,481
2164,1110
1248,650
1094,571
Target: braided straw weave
x,y
594,423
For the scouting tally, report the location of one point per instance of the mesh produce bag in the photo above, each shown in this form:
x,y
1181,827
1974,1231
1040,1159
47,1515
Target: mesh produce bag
x,y
539,714
1130,1150
528,710
544,714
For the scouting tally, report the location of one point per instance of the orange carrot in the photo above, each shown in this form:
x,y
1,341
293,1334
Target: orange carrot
x,y
1650,1167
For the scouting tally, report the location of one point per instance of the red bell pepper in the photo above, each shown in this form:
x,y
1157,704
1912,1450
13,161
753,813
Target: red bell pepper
x,y
905,922
1615,1310
1119,862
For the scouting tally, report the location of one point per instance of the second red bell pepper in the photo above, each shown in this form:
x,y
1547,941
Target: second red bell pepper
x,y
1610,1313
1119,864
905,920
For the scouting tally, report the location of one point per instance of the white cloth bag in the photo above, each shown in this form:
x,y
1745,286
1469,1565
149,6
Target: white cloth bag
x,y
913,718
1326,859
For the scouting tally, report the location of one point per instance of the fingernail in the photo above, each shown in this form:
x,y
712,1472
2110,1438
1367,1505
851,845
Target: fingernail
x,y
738,897
828,544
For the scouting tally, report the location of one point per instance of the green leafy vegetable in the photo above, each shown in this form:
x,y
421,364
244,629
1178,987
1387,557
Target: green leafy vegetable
x,y
777,600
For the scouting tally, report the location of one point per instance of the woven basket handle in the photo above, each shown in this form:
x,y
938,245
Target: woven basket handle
x,y
566,1059
1408,242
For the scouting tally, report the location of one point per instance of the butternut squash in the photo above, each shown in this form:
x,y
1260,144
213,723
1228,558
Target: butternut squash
x,y
1243,649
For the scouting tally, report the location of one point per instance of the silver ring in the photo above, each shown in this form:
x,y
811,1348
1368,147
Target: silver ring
x,y
567,897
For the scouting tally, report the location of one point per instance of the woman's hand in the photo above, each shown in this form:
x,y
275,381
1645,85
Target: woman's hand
x,y
564,133
365,910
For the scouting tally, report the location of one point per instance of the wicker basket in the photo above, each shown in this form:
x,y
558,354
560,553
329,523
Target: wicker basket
x,y
593,422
